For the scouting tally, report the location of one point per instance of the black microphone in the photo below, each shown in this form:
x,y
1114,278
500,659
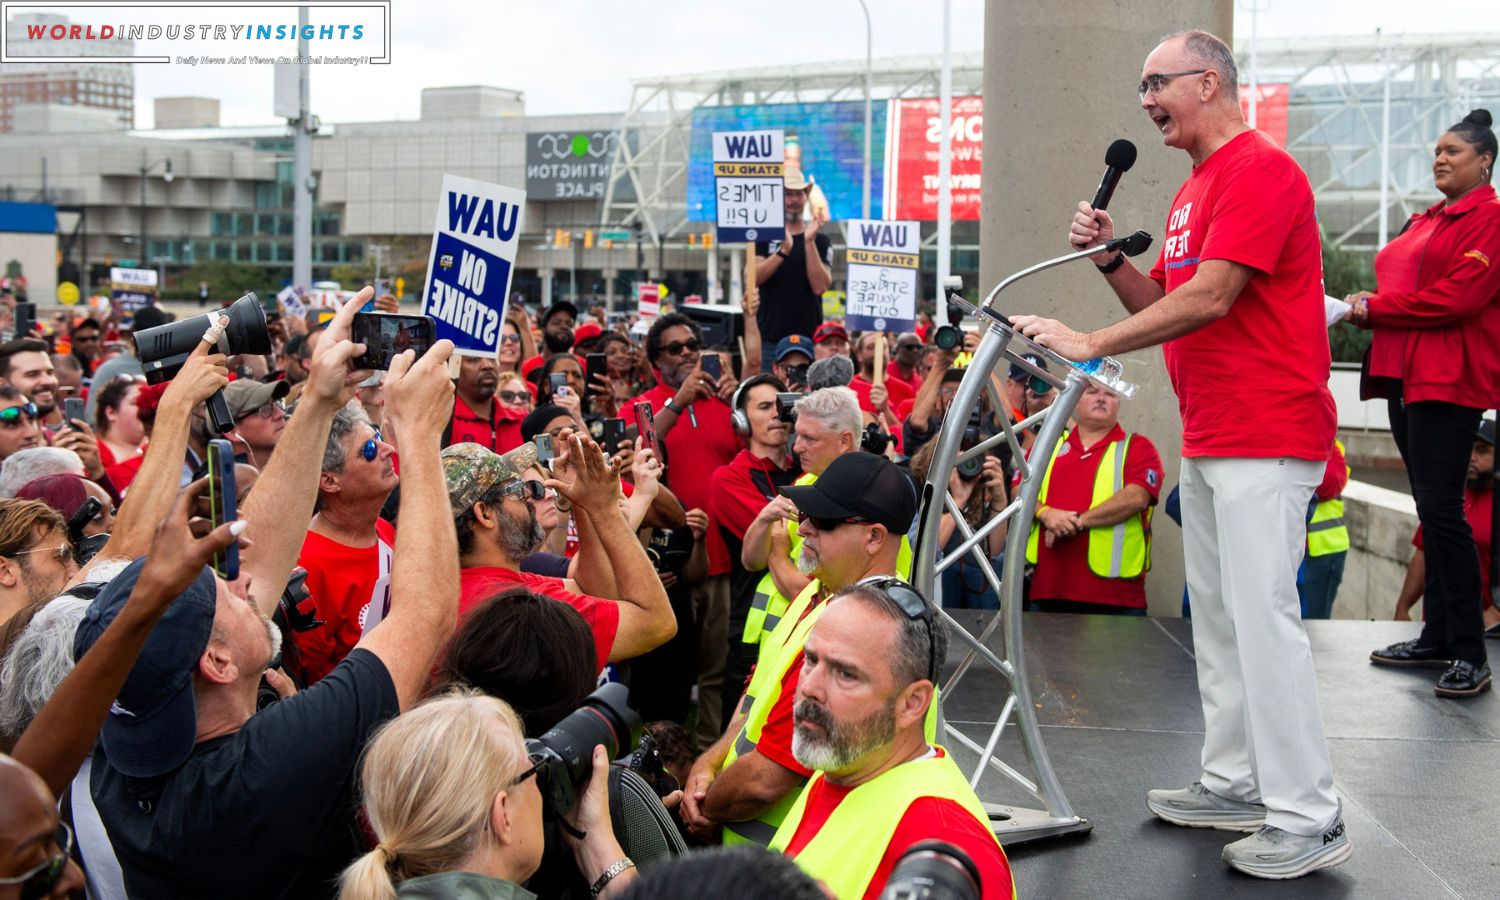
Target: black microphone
x,y
1117,161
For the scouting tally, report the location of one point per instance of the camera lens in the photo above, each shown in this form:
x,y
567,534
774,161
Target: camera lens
x,y
969,469
568,748
947,337
933,869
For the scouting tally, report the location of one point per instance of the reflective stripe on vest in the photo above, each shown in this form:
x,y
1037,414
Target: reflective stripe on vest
x,y
849,846
1118,551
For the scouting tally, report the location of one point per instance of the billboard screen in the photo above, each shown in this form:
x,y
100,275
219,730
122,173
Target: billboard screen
x,y
916,133
826,140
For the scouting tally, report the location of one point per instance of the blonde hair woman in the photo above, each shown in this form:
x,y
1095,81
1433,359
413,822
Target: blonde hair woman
x,y
453,801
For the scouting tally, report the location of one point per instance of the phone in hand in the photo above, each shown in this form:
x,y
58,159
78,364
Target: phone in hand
x,y
544,449
387,334
646,428
597,364
559,383
73,408
612,435
221,504
712,366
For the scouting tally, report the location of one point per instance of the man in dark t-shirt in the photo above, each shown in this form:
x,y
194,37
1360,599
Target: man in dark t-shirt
x,y
791,280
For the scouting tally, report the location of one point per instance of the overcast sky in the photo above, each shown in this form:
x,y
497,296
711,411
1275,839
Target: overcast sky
x,y
572,56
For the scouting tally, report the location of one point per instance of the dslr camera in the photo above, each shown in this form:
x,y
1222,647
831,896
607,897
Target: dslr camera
x,y
933,870
565,754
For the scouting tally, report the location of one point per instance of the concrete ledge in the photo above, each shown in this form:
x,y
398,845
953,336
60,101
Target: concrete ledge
x,y
1381,524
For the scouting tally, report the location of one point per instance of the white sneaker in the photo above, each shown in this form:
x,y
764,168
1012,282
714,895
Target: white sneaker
x,y
1199,807
1273,853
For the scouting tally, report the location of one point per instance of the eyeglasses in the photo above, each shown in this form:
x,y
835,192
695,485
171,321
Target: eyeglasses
x,y
40,881
265,410
371,448
510,339
10,417
531,489
63,552
826,524
515,396
538,763
1154,83
677,347
906,599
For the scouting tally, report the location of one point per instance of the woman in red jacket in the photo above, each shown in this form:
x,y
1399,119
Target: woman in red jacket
x,y
1436,358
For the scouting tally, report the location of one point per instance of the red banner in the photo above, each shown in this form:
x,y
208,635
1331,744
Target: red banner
x,y
915,130
1270,109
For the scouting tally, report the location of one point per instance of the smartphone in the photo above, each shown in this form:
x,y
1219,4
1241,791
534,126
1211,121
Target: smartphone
x,y
612,435
73,408
597,364
711,365
221,504
559,382
387,334
544,452
25,319
644,426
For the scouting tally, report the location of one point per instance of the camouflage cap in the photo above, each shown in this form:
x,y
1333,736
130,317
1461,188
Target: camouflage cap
x,y
472,469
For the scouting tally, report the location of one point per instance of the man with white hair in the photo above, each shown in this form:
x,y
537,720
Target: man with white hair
x,y
36,462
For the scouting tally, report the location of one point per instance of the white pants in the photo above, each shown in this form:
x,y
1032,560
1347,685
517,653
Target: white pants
x,y
1244,533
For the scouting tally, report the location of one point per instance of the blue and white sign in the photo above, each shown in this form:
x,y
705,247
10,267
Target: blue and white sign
x,y
474,248
132,289
884,258
748,189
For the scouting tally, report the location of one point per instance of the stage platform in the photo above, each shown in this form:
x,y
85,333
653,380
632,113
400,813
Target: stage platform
x,y
1117,700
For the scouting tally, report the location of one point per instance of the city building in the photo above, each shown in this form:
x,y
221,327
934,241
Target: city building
x,y
106,86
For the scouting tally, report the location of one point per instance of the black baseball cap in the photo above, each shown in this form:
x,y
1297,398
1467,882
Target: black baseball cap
x,y
559,306
1486,431
1020,373
863,486
153,723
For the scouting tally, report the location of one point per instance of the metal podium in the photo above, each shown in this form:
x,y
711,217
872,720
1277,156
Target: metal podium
x,y
1003,345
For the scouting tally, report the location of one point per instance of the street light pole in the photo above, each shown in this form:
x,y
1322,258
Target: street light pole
x,y
869,80
166,176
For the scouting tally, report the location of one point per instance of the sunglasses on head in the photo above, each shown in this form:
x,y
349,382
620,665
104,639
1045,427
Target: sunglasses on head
x,y
676,348
11,416
371,448
825,524
40,881
530,489
911,604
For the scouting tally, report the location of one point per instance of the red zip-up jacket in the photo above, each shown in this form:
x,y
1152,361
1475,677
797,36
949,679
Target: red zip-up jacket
x,y
1452,319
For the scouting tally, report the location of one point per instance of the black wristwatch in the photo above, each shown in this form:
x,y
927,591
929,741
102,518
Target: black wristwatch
x,y
1119,261
783,254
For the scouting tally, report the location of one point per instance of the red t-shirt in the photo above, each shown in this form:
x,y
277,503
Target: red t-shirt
x,y
120,472
1062,570
342,581
695,450
925,819
897,392
1242,380
1478,508
479,583
735,499
501,432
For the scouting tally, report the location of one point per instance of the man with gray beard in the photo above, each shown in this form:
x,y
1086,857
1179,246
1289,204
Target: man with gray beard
x,y
852,521
866,691
494,510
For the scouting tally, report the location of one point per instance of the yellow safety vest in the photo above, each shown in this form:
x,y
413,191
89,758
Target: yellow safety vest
x,y
847,850
777,656
1326,532
1117,551
769,605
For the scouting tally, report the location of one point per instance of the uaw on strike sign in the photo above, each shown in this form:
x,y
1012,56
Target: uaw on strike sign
x,y
748,186
474,249
883,261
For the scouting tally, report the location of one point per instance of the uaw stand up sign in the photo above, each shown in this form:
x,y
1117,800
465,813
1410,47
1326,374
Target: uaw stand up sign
x,y
883,259
474,249
748,185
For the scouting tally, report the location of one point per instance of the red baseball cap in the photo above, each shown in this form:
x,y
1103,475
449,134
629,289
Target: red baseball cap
x,y
586,332
829,330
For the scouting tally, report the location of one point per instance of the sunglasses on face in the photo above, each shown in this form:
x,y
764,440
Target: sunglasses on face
x,y
531,489
1037,385
825,524
514,396
11,416
510,339
676,348
40,881
906,599
371,448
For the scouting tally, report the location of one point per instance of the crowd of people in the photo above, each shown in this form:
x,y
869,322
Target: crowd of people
x,y
441,563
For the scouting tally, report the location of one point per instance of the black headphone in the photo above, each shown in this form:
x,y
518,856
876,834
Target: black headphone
x,y
738,418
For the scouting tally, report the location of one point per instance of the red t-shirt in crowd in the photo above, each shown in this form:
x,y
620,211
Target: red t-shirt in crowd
x,y
1062,570
501,432
342,581
897,392
479,583
120,471
1478,509
925,819
698,444
735,497
1255,382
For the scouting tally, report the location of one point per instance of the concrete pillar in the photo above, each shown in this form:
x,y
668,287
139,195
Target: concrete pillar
x,y
1059,86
